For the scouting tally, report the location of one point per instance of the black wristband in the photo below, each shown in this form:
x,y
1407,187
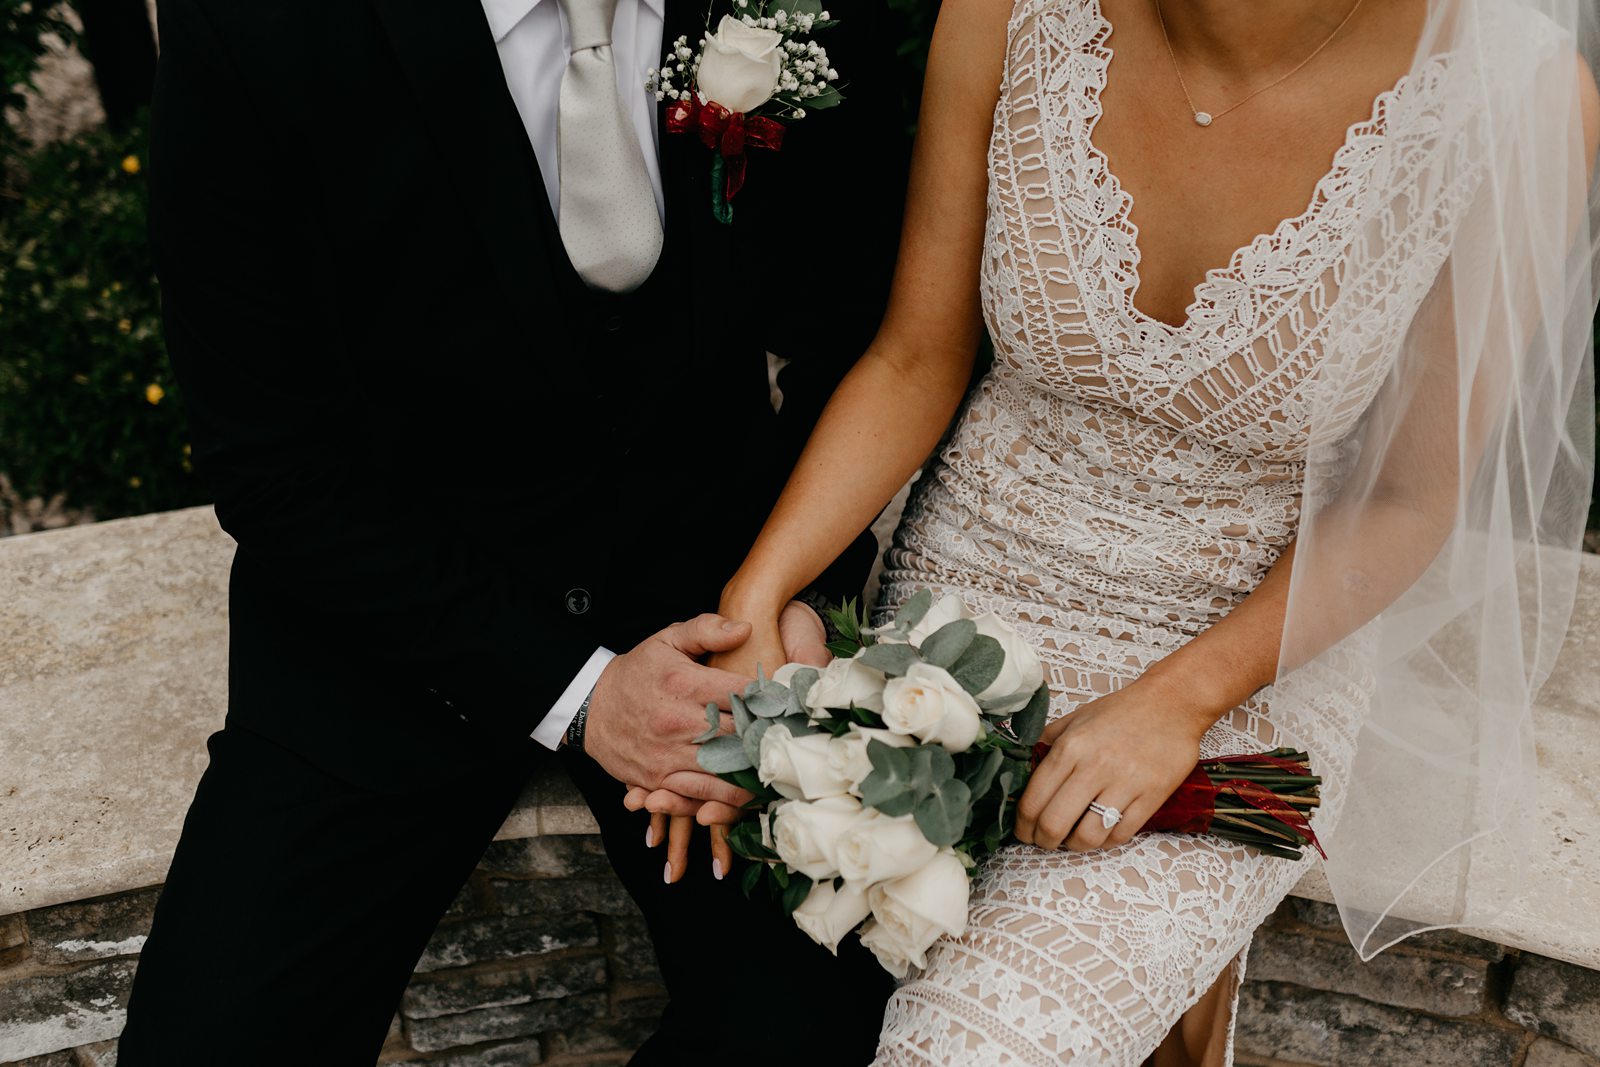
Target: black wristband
x,y
580,720
824,608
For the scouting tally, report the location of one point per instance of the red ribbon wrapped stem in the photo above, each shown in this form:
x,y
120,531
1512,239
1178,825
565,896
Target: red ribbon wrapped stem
x,y
726,132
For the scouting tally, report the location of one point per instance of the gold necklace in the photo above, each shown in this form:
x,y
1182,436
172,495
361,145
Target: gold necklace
x,y
1206,118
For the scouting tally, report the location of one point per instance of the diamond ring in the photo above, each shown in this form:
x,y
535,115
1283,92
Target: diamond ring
x,y
1109,816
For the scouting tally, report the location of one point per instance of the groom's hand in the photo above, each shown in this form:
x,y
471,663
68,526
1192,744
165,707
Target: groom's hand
x,y
804,640
649,705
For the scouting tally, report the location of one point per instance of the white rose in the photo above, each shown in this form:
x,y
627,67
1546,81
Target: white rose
x,y
886,943
827,914
784,675
931,705
878,846
799,768
1022,672
946,609
914,911
740,66
847,755
845,682
807,833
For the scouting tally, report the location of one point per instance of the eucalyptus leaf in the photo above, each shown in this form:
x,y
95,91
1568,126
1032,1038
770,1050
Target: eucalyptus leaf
x,y
766,700
713,724
888,788
723,755
751,738
894,660
916,606
942,814
981,776
979,665
800,685
996,708
946,644
1006,778
797,725
1028,724
741,713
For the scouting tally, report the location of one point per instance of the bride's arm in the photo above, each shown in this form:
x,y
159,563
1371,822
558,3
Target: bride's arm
x,y
890,410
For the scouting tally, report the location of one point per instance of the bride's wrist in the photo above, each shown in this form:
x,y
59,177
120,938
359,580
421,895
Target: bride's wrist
x,y
1196,697
745,597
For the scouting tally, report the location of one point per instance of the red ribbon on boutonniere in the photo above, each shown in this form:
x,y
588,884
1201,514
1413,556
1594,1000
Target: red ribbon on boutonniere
x,y
727,133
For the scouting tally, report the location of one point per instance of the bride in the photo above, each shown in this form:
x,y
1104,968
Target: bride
x,y
1288,303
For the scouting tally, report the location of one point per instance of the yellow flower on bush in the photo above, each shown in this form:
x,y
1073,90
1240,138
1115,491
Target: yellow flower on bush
x,y
125,325
135,482
153,393
130,165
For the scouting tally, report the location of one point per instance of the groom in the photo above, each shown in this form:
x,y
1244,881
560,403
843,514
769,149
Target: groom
x,y
480,387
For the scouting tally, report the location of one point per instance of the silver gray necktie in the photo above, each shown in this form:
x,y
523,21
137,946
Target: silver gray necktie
x,y
608,218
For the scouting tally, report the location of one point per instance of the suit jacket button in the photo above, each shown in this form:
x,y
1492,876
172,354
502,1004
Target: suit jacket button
x,y
613,323
578,601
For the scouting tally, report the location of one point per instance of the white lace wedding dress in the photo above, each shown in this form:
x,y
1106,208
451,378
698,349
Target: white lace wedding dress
x,y
1115,486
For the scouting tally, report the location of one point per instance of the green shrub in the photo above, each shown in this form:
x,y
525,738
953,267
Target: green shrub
x,y
88,407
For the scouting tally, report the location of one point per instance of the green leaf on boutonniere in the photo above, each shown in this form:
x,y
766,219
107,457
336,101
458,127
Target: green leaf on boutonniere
x,y
946,644
723,755
979,665
829,97
895,660
795,7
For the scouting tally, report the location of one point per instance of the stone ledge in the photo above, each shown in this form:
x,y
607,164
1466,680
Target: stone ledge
x,y
93,784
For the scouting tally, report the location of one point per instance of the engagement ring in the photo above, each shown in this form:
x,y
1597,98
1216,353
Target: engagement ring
x,y
1108,815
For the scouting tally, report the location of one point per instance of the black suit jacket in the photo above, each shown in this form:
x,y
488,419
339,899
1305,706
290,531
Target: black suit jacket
x,y
452,470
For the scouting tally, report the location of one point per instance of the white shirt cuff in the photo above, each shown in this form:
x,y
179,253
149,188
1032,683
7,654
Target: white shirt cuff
x,y
554,727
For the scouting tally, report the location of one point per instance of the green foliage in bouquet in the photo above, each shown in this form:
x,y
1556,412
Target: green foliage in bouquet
x,y
88,405
962,800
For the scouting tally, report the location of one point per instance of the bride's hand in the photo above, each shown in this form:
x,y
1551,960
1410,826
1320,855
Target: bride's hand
x,y
1128,750
798,636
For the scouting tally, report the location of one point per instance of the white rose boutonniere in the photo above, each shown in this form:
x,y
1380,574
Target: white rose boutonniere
x,y
756,71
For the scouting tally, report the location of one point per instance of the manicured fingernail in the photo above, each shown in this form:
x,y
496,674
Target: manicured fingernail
x,y
716,869
730,625
649,837
666,873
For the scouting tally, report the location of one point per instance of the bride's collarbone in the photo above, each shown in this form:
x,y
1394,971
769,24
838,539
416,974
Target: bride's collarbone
x,y
1197,195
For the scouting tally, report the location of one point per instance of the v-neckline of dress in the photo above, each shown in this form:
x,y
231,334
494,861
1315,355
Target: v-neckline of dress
x,y
1352,157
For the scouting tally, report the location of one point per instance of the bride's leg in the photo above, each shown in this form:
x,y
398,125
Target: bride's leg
x,y
1200,1038
1087,958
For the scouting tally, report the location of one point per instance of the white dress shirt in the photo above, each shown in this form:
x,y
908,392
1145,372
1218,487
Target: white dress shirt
x,y
534,43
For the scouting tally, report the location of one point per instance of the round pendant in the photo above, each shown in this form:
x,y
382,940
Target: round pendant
x,y
1202,118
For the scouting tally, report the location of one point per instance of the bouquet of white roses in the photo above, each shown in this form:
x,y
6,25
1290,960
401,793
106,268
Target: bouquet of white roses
x,y
882,779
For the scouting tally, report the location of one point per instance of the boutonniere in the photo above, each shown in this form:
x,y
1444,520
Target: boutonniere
x,y
757,71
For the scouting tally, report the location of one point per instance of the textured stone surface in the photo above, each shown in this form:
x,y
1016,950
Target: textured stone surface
x,y
103,1054
50,1012
455,944
510,1054
1547,1053
1398,976
1558,1000
541,980
603,1035
549,857
602,896
93,929
495,1024
1333,1030
634,956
